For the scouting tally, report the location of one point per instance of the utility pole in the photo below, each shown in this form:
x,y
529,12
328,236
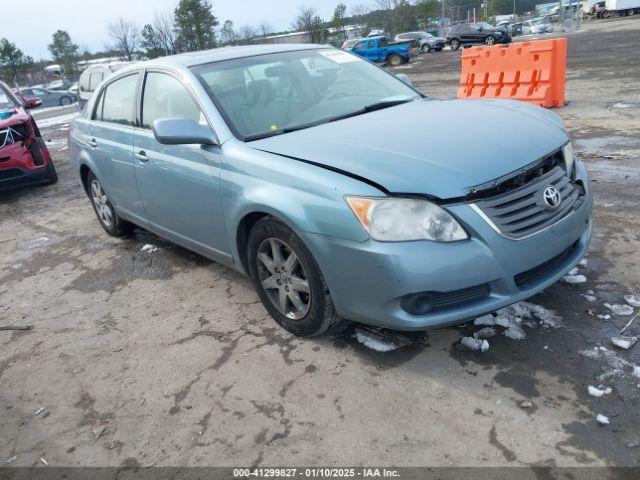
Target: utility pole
x,y
442,20
514,11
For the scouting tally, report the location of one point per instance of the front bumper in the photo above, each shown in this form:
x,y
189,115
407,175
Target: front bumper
x,y
369,280
18,167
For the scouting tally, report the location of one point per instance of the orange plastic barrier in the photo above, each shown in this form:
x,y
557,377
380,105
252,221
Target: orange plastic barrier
x,y
533,72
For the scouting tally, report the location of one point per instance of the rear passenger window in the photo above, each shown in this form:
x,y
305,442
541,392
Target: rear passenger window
x,y
164,96
118,101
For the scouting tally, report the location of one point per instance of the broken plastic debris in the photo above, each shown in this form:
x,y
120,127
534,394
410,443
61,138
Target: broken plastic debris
x,y
149,248
632,300
380,341
602,420
11,459
604,317
619,309
597,392
574,279
39,411
474,344
623,341
44,461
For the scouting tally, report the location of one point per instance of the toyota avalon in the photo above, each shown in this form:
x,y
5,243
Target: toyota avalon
x,y
338,188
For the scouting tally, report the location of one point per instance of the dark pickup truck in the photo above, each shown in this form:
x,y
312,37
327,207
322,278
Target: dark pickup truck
x,y
379,49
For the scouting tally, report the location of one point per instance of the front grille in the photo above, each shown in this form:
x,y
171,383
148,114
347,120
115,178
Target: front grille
x,y
454,298
531,277
522,212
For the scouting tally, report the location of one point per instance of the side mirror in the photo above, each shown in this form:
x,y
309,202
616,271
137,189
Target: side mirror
x,y
404,79
183,131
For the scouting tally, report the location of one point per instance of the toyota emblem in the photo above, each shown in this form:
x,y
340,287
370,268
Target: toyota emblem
x,y
551,197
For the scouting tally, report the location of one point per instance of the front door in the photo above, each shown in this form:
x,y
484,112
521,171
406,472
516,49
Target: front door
x,y
179,184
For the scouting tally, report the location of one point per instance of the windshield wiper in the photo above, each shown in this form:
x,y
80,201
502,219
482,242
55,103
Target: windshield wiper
x,y
372,108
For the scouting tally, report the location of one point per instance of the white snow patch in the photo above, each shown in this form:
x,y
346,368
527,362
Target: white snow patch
x,y
486,332
573,271
149,248
573,279
621,105
515,332
602,420
49,122
632,300
474,344
589,298
598,392
624,341
636,371
489,320
619,309
583,262
604,317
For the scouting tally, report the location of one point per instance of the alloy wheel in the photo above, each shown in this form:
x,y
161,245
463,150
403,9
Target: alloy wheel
x,y
283,278
101,202
490,41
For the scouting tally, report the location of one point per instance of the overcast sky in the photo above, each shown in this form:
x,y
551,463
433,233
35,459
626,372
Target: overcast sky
x,y
30,23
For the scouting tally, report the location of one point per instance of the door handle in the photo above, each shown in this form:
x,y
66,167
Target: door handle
x,y
93,143
142,156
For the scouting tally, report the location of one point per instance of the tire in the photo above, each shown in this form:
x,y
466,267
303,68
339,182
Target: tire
x,y
490,41
426,48
275,276
66,100
107,216
454,43
395,60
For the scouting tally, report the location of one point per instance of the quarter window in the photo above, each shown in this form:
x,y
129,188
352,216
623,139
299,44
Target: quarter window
x,y
164,96
117,101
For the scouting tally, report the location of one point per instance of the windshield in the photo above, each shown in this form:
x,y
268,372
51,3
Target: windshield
x,y
276,93
6,102
536,22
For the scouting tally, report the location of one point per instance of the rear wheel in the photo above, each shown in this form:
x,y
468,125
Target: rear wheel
x,y
395,60
426,48
490,40
288,280
66,101
105,212
454,44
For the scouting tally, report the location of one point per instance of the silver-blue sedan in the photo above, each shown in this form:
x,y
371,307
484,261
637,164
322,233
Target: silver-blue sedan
x,y
337,187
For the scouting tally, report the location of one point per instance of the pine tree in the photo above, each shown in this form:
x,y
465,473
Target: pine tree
x,y
195,25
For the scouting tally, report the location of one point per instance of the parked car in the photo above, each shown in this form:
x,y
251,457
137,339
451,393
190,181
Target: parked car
x,y
92,77
301,166
73,89
426,42
378,49
476,34
536,26
50,98
513,28
24,157
376,33
348,44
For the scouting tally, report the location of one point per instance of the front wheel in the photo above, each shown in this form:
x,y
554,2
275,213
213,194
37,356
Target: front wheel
x,y
288,280
66,101
454,44
426,48
489,41
395,60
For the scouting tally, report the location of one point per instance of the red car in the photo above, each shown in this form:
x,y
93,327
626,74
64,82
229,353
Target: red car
x,y
24,157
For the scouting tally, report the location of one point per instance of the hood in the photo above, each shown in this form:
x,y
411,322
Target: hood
x,y
13,116
436,148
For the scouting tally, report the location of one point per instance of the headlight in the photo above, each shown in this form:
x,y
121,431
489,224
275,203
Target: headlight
x,y
405,219
569,158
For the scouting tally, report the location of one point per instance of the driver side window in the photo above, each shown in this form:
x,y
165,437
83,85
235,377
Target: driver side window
x,y
163,97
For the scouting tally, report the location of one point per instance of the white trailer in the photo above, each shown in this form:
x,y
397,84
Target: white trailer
x,y
623,7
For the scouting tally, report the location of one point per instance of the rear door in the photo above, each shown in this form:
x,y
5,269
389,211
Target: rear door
x,y
179,184
111,146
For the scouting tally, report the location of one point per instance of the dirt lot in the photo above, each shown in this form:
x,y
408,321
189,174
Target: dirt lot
x,y
165,358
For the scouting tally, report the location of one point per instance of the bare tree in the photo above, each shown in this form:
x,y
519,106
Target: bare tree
x,y
126,37
309,21
247,33
360,15
165,33
387,7
264,29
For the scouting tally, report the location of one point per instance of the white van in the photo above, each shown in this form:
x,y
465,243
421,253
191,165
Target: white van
x,y
92,77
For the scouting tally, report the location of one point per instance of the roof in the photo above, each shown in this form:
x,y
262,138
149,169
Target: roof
x,y
227,53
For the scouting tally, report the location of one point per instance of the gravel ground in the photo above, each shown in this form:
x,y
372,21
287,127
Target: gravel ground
x,y
165,358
